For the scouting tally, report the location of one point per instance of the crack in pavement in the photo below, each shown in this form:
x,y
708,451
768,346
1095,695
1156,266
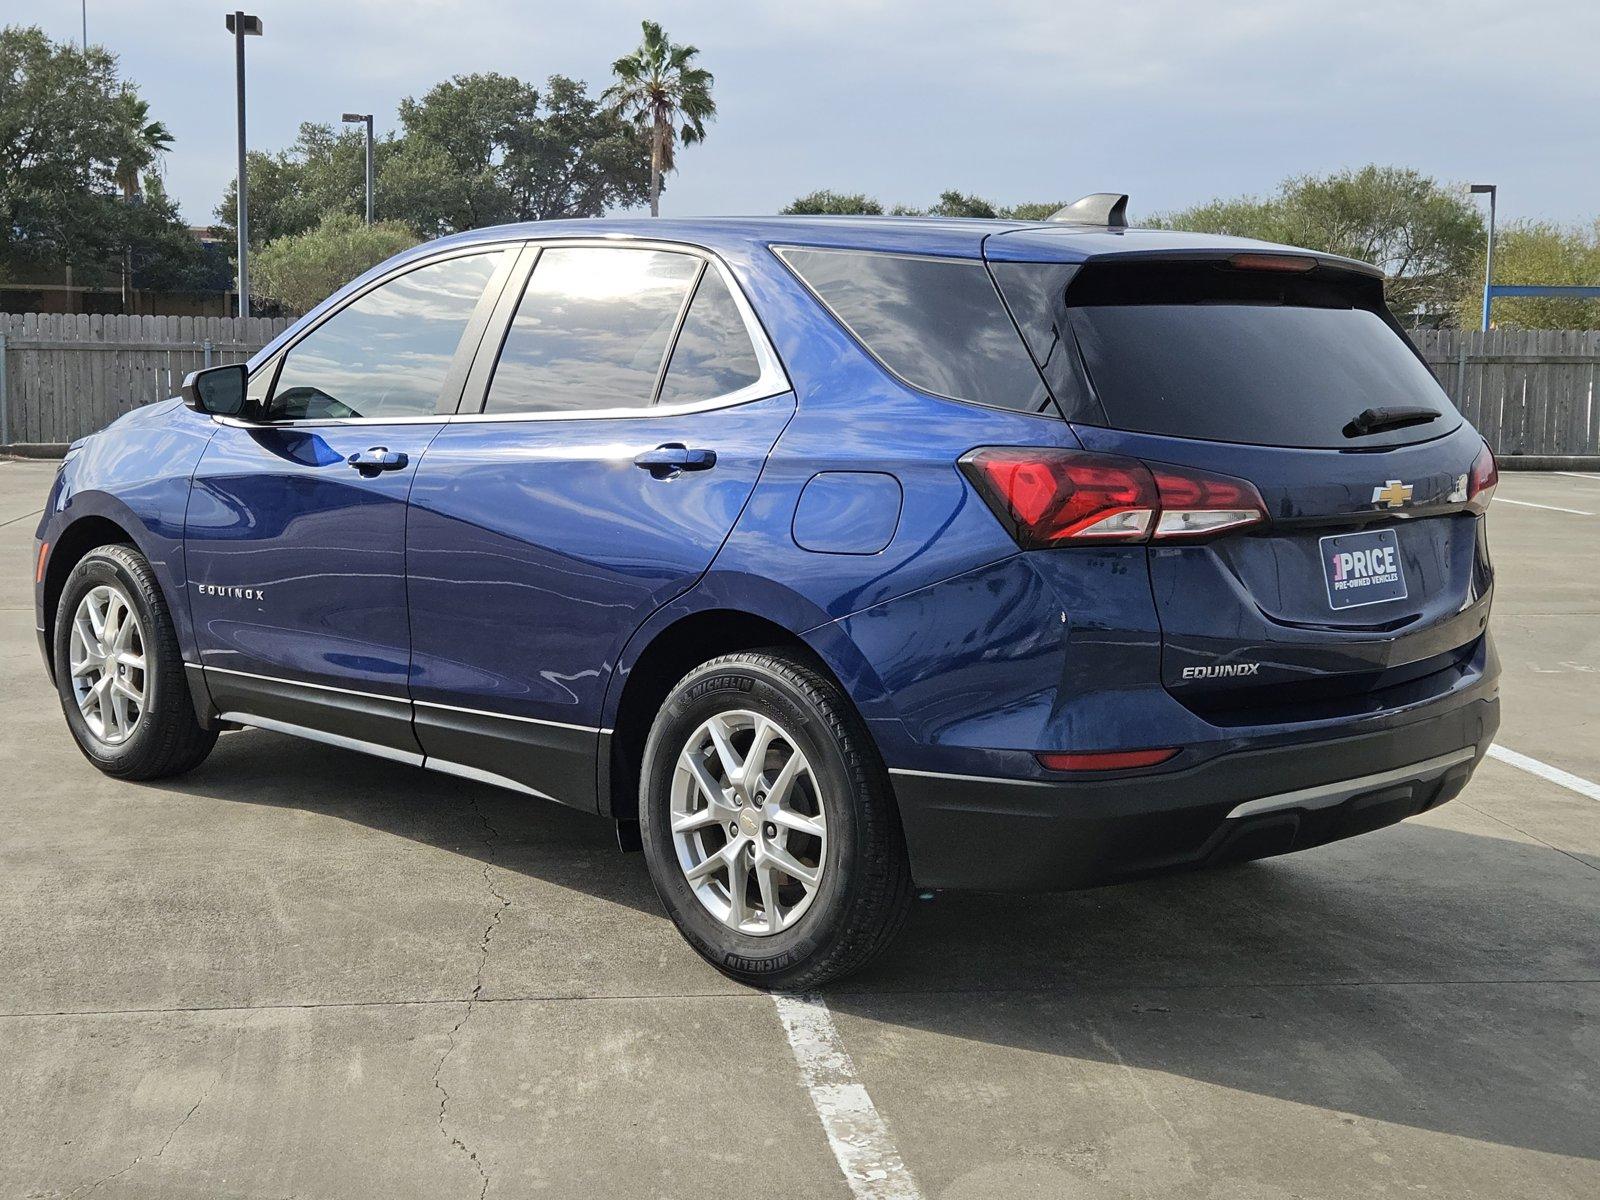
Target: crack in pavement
x,y
471,1002
171,1133
1048,990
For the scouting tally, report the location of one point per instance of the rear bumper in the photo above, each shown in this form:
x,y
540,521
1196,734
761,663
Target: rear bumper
x,y
1012,834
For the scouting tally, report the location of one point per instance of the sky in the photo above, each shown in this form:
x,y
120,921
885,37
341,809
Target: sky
x,y
1172,101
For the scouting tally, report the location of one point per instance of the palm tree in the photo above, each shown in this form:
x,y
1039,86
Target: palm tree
x,y
146,141
657,87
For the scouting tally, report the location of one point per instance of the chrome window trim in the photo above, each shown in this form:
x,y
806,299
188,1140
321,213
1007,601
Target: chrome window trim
x,y
773,380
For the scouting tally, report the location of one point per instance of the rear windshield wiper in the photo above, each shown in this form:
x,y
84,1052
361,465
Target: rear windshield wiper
x,y
1378,420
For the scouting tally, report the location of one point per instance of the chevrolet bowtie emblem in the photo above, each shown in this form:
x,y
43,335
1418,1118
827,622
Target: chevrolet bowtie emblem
x,y
1392,494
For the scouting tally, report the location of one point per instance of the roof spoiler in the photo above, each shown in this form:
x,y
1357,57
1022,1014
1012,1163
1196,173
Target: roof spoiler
x,y
1102,208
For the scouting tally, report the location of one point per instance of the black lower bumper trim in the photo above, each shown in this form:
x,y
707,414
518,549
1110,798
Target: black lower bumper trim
x,y
1026,835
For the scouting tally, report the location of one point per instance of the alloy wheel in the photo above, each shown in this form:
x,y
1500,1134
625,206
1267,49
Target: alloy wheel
x,y
106,654
748,823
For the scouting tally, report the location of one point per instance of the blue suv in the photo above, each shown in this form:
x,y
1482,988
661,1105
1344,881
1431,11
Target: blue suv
x,y
827,557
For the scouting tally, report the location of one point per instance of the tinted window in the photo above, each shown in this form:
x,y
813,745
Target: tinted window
x,y
591,330
713,355
1035,293
1270,375
386,354
937,324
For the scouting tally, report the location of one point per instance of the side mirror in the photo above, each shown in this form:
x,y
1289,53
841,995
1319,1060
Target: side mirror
x,y
216,390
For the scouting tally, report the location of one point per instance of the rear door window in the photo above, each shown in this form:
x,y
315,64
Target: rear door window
x,y
936,323
713,355
592,330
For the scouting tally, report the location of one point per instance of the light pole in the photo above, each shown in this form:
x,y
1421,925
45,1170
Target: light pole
x,y
242,25
1479,189
366,118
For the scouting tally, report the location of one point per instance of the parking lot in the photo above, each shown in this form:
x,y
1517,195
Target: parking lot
x,y
300,972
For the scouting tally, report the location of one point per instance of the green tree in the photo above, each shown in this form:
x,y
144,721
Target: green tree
x,y
835,204
300,270
1539,252
474,150
1033,211
74,141
659,86
149,141
1422,234
484,149
322,172
959,204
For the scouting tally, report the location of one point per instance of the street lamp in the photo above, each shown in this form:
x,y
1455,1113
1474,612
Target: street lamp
x,y
242,25
1479,189
366,118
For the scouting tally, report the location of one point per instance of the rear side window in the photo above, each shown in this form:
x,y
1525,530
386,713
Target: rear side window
x,y
713,355
592,330
937,323
1269,358
386,354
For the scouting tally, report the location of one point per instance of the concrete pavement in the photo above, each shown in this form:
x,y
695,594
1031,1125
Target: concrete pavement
x,y
303,972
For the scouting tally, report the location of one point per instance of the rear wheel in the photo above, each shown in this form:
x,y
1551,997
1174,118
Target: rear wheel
x,y
119,672
768,824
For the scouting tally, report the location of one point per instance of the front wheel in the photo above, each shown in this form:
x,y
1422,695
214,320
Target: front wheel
x,y
768,824
119,670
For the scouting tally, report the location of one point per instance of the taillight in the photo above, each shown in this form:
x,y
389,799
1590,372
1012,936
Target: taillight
x,y
1195,503
1051,497
1482,480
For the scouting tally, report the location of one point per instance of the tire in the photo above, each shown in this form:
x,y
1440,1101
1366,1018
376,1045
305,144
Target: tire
x,y
159,735
836,823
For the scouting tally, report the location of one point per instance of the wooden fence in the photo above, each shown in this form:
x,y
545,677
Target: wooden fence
x,y
62,376
1528,391
1531,392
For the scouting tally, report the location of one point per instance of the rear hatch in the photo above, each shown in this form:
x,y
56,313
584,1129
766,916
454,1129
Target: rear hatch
x,y
1367,585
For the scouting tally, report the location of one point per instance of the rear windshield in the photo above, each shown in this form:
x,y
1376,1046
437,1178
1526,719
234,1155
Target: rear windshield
x,y
1268,358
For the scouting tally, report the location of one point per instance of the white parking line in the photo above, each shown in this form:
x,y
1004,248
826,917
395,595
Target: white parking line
x,y
1533,766
1577,512
1579,475
858,1135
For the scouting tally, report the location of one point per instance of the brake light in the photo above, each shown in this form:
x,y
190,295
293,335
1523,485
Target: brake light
x,y
1272,262
1051,497
1114,760
1482,480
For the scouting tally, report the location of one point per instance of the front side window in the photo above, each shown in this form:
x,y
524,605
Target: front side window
x,y
386,354
592,330
937,323
713,355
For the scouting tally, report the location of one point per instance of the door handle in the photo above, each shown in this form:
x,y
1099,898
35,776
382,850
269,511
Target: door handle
x,y
377,458
671,460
